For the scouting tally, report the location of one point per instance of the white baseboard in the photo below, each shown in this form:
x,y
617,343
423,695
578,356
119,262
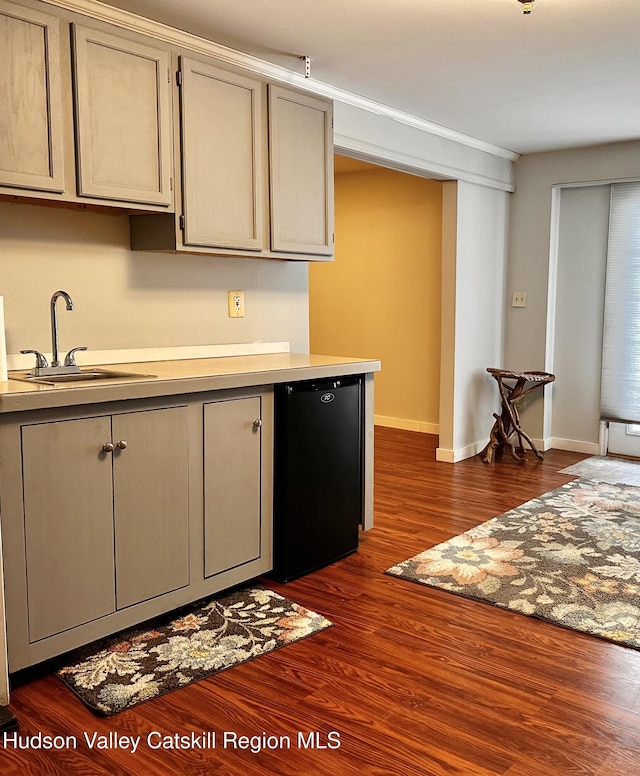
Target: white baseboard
x,y
448,455
459,454
406,425
445,455
576,446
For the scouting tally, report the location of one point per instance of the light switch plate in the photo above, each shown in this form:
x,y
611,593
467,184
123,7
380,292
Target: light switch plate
x,y
519,299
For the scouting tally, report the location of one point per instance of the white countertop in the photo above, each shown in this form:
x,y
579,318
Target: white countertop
x,y
166,378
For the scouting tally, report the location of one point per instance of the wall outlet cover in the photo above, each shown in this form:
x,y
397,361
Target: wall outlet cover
x,y
236,304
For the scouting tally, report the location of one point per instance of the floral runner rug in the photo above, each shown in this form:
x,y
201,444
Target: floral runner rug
x,y
571,557
140,664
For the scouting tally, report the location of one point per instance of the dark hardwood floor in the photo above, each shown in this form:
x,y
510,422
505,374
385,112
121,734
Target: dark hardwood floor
x,y
416,681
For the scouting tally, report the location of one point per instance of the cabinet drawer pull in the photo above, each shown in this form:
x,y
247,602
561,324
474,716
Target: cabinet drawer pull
x,y
107,447
122,444
257,423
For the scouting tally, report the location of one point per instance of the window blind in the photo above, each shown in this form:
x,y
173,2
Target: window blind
x,y
620,388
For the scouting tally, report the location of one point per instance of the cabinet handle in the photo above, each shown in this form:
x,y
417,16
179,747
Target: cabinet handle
x,y
257,423
107,447
122,444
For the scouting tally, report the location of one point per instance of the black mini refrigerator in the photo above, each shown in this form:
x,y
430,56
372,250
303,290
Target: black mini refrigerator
x,y
318,474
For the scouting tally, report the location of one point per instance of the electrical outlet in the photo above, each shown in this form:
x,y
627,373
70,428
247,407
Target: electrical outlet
x,y
519,299
236,304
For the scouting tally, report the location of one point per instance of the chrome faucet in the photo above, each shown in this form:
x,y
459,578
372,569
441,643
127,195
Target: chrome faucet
x,y
54,323
42,367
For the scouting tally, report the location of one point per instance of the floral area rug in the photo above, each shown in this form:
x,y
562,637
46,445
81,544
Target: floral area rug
x,y
571,557
140,664
606,469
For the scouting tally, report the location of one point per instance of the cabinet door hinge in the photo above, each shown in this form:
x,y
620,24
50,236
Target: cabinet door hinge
x,y
168,75
181,221
179,77
171,183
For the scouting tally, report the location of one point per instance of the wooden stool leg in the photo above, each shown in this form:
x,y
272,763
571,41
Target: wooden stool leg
x,y
494,441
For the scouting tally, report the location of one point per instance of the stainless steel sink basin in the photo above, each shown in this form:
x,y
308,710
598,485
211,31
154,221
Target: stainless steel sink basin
x,y
83,376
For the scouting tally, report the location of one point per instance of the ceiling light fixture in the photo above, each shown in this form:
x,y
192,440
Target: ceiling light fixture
x,y
527,5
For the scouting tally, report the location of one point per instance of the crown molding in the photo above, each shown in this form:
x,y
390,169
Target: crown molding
x,y
194,43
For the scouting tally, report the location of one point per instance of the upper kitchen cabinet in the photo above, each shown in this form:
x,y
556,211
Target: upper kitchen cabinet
x,y
31,129
123,118
86,117
222,128
257,178
301,172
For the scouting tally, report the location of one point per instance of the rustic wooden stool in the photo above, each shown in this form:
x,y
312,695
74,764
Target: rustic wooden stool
x,y
507,423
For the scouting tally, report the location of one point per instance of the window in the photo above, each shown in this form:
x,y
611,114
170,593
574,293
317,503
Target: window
x,y
620,391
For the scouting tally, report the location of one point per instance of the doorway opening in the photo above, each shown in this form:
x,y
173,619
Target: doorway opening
x,y
381,298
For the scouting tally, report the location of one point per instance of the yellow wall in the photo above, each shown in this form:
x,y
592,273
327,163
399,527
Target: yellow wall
x,y
381,296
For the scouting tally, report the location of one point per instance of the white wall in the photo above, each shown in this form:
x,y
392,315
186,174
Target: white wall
x,y
124,298
473,293
579,310
531,241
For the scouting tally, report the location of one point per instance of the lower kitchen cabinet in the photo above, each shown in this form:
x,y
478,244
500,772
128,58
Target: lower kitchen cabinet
x,y
92,485
123,511
68,524
151,503
232,491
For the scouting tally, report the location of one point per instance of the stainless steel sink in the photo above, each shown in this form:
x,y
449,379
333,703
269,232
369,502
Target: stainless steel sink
x,y
84,375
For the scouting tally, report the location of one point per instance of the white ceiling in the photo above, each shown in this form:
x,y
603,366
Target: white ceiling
x,y
566,75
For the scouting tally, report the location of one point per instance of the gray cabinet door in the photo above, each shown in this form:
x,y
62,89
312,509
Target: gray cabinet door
x,y
123,118
31,140
222,131
232,483
151,503
68,523
301,172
